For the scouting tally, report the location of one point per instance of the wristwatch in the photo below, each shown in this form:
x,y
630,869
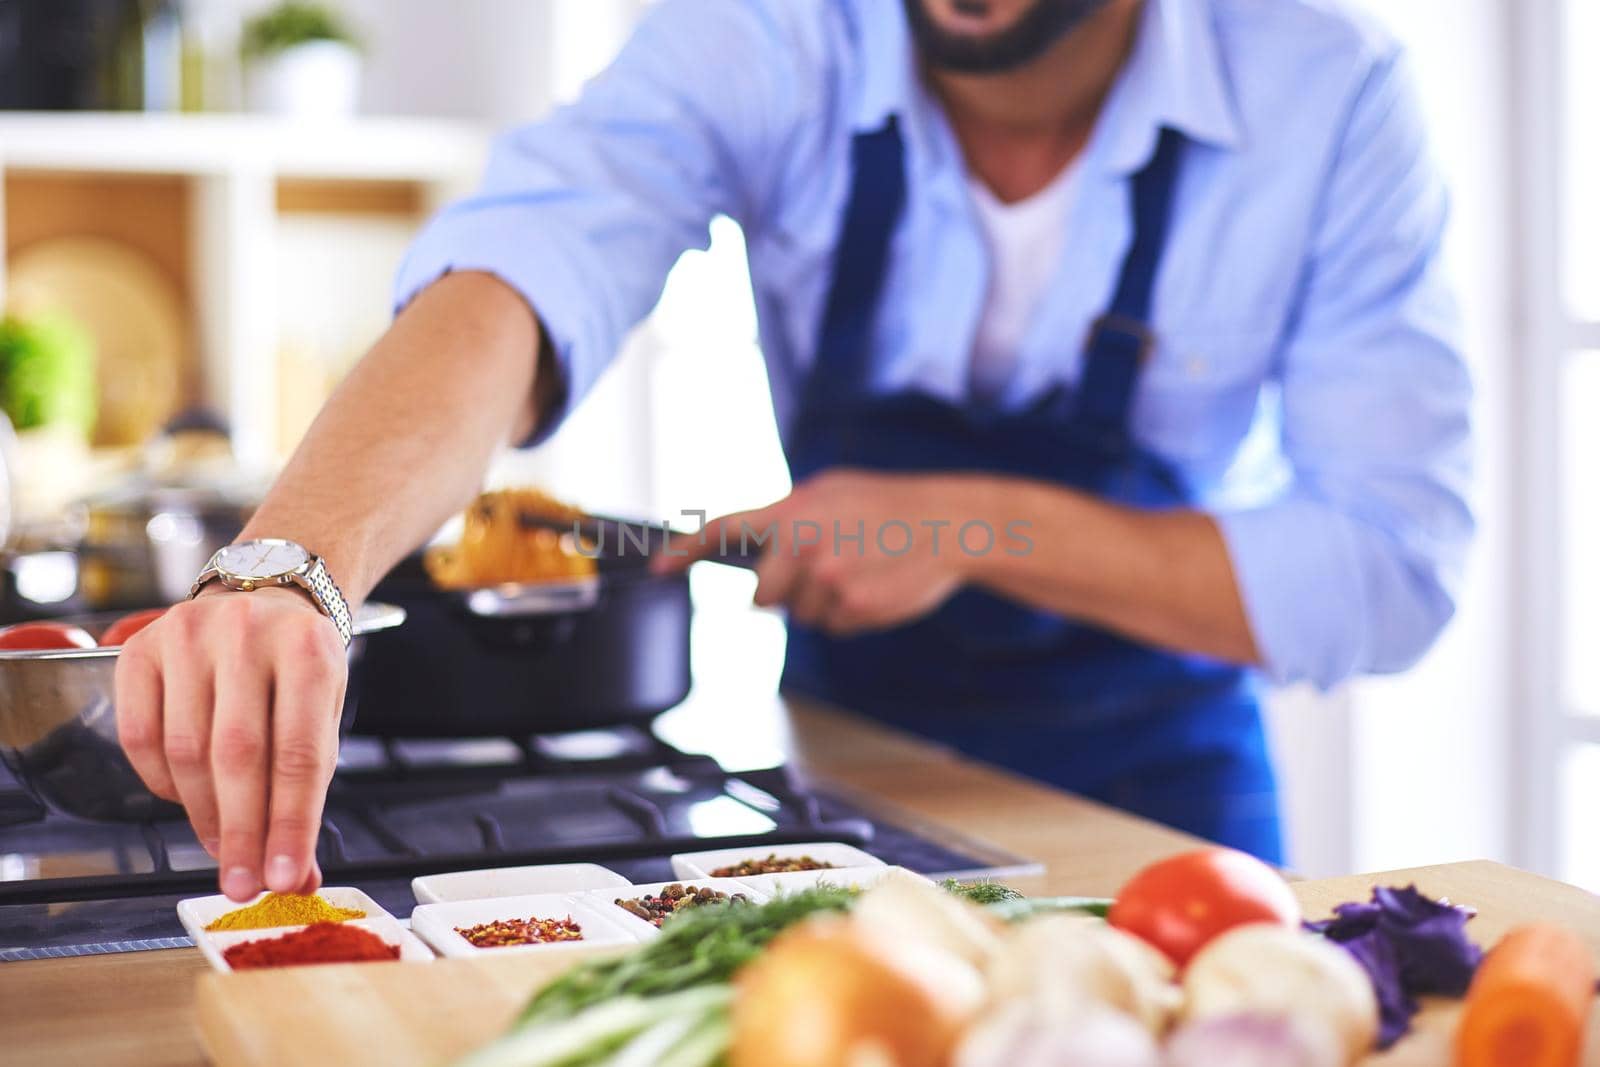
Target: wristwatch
x,y
269,561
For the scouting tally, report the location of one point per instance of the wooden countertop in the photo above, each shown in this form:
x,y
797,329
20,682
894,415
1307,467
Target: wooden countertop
x,y
137,1009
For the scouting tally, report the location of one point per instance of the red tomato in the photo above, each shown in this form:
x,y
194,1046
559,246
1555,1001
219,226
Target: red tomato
x,y
119,632
44,635
1182,902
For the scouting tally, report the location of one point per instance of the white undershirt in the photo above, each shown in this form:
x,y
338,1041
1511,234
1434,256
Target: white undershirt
x,y
1025,241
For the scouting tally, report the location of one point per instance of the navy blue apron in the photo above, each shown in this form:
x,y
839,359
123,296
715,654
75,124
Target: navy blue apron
x,y
1172,737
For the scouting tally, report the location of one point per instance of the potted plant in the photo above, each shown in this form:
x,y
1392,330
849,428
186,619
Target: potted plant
x,y
47,393
47,374
301,59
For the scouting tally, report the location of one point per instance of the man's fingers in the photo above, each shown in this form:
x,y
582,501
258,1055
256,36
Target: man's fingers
x,y
186,692
138,700
730,535
812,599
305,730
313,879
776,575
239,758
679,551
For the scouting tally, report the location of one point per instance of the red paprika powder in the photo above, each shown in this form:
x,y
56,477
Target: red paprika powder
x,y
317,943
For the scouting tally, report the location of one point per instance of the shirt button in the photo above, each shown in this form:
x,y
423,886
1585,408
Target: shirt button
x,y
1196,367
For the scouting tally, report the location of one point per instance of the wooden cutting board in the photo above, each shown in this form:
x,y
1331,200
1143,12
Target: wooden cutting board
x,y
424,1015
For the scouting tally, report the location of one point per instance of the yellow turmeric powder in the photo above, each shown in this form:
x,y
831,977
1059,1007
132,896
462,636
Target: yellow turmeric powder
x,y
284,909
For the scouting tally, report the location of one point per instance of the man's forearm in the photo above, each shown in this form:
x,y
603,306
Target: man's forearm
x,y
1163,577
403,442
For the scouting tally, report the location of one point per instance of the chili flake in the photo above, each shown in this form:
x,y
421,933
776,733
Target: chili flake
x,y
657,908
531,931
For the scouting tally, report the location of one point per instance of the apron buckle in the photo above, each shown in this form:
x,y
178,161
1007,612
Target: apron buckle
x,y
1127,334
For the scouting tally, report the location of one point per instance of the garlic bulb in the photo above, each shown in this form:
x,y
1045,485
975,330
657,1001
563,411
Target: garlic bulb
x,y
1265,969
1025,1035
1073,964
1254,1041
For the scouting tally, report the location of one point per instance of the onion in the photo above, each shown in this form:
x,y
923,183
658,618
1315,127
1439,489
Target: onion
x,y
1253,1041
822,996
1024,1035
902,910
1268,969
1070,964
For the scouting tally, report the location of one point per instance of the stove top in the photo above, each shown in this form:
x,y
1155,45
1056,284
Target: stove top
x,y
398,809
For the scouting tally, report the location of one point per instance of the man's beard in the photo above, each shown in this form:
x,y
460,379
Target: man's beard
x,y
1040,27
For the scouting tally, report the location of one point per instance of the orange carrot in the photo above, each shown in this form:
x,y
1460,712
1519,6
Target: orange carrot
x,y
1529,1001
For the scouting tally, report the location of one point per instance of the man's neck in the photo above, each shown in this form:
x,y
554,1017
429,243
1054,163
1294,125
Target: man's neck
x,y
1019,129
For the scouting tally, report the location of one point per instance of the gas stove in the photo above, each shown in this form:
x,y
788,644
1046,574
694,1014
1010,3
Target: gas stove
x,y
398,809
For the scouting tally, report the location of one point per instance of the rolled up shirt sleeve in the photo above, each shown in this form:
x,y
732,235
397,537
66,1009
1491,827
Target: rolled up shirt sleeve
x,y
1355,567
584,213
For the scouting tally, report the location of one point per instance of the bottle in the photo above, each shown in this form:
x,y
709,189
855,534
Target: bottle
x,y
162,39
144,71
124,63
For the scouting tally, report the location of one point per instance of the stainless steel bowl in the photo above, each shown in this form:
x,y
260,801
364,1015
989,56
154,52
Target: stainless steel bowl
x,y
58,724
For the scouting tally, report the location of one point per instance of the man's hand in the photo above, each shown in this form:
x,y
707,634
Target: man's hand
x,y
850,550
1161,577
229,704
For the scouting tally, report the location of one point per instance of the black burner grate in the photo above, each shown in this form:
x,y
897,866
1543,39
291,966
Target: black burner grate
x,y
397,810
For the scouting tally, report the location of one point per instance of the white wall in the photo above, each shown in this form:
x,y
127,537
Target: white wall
x,y
1430,750
500,60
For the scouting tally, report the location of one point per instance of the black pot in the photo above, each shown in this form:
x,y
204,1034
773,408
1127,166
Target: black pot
x,y
620,657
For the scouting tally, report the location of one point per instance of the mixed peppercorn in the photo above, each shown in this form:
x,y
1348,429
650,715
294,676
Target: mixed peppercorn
x,y
532,931
658,907
773,864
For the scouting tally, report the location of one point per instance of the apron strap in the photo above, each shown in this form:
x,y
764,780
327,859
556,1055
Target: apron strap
x,y
1120,340
860,262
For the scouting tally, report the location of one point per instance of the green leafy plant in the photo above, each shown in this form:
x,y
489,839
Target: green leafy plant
x,y
47,373
291,23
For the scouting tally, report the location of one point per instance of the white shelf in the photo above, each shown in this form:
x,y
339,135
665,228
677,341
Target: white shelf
x,y
235,162
402,149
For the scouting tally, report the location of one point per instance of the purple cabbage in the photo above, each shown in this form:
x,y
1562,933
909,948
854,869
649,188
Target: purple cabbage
x,y
1410,945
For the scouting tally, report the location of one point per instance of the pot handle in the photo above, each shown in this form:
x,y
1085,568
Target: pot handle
x,y
531,599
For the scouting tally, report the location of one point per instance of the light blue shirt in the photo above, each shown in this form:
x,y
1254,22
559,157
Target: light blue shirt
x,y
1301,292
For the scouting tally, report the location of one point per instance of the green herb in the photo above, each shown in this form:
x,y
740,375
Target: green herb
x,y
290,23
697,947
47,373
1012,906
984,893
1027,907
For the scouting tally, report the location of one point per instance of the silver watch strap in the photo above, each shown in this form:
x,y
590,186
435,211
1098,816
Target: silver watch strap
x,y
326,592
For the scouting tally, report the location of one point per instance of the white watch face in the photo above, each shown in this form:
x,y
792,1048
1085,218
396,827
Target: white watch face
x,y
261,559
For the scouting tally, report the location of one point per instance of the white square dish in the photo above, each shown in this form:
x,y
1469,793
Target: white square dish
x,y
386,926
436,923
605,900
197,913
841,856
513,882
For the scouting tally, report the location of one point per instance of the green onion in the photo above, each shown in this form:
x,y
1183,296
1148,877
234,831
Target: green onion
x,y
602,1031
